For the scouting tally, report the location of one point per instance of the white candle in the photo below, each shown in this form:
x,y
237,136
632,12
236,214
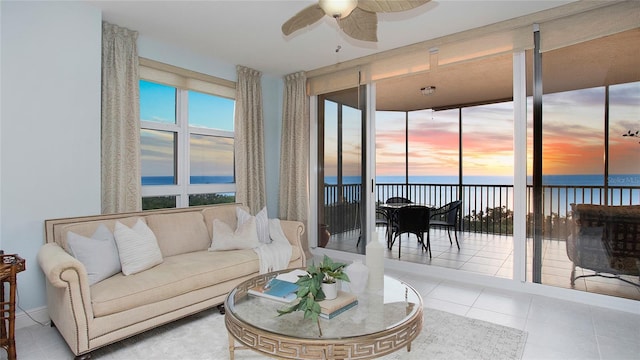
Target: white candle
x,y
375,263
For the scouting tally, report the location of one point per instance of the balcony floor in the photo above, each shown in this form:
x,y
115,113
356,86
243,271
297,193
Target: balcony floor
x,y
492,255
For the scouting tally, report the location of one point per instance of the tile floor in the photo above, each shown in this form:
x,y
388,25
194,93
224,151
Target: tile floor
x,y
557,329
493,255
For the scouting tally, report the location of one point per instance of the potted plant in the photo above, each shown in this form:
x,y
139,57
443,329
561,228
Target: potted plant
x,y
310,288
332,271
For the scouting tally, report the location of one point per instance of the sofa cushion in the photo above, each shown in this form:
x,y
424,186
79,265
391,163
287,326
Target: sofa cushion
x,y
137,247
225,238
98,254
593,215
176,275
226,213
180,232
262,222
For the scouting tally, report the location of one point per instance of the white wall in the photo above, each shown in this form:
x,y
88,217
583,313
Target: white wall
x,y
177,56
50,122
50,119
272,99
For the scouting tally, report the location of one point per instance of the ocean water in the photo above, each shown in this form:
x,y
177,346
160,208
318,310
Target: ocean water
x,y
169,180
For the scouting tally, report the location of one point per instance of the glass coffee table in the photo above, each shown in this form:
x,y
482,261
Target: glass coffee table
x,y
382,322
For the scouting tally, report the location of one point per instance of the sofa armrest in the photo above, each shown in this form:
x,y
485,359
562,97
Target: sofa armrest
x,y
293,230
54,261
68,295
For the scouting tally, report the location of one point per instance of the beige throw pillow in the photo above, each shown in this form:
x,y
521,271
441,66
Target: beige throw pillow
x,y
98,254
224,238
262,222
137,246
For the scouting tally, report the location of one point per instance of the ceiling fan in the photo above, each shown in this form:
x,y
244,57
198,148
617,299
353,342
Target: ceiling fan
x,y
357,18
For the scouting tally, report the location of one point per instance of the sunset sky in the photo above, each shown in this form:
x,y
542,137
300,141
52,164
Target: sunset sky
x,y
573,139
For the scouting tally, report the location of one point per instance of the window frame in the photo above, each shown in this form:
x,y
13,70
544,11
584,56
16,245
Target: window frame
x,y
184,81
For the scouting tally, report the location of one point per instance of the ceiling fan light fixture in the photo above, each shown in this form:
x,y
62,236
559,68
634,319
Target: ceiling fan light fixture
x,y
428,90
338,8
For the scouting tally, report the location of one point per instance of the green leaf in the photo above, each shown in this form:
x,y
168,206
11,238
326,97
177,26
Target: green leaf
x,y
309,303
302,292
289,310
315,307
308,314
303,281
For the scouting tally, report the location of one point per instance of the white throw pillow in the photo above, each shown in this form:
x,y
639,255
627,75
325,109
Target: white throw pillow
x,y
98,254
137,246
224,238
262,223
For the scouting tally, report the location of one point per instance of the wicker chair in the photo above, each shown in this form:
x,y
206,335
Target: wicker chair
x,y
392,216
606,240
412,219
447,217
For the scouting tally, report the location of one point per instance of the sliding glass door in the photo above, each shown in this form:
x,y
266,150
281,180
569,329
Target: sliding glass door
x,y
341,159
590,167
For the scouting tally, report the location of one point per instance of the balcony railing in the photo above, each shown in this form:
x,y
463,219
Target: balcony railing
x,y
485,208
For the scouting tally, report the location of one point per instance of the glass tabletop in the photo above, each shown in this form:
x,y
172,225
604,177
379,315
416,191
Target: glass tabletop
x,y
375,312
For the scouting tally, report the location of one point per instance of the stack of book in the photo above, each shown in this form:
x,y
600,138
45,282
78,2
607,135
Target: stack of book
x,y
281,288
276,289
331,308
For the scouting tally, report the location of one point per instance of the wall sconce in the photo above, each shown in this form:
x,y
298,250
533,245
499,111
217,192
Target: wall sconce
x,y
428,90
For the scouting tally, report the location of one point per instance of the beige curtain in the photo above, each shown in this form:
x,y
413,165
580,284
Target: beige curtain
x,y
120,121
294,152
249,139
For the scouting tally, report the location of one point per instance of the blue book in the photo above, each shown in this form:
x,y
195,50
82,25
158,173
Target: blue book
x,y
276,289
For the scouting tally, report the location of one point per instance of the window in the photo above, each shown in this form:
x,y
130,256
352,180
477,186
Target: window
x,y
186,138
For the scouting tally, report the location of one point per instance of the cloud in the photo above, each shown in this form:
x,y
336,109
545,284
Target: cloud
x,y
573,136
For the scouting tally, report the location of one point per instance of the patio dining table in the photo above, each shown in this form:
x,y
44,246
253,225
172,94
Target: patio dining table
x,y
390,210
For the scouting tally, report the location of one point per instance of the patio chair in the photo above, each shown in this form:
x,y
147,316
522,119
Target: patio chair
x,y
412,219
391,216
381,220
447,217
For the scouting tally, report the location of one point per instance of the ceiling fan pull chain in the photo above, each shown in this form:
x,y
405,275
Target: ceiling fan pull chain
x,y
338,46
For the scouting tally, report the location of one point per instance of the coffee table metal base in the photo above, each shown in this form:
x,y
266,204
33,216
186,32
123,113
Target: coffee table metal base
x,y
357,347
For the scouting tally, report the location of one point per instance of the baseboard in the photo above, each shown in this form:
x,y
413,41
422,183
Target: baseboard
x,y
37,316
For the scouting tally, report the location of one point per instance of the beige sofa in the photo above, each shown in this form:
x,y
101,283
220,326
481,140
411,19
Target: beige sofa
x,y
189,279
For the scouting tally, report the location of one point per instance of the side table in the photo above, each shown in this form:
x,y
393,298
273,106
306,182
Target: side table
x,y
9,267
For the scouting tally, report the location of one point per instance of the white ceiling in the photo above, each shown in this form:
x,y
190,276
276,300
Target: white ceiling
x,y
247,32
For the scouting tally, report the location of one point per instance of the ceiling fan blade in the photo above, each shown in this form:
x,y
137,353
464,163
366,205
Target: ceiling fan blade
x,y
389,5
360,25
304,18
